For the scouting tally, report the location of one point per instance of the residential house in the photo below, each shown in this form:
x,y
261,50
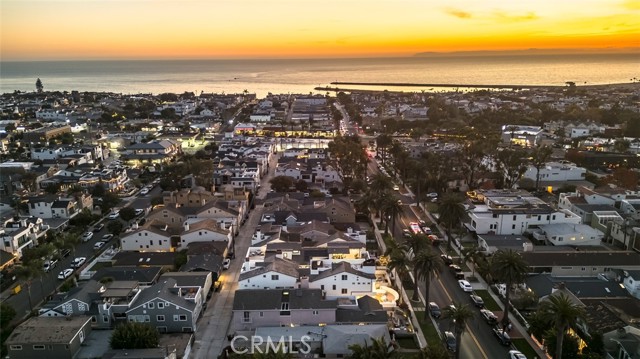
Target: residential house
x,y
254,308
277,274
507,214
563,234
584,263
203,280
622,343
342,280
632,282
168,307
52,338
153,236
150,153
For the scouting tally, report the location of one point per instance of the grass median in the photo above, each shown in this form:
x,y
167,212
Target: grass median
x,y
524,347
429,331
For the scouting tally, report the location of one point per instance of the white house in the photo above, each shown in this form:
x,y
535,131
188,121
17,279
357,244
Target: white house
x,y
343,281
153,237
632,283
563,234
206,230
515,215
281,273
556,171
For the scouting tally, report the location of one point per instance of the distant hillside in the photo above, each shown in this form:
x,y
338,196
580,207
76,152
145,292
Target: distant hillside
x,y
529,52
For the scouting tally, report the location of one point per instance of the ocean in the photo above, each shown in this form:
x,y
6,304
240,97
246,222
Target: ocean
x,y
303,75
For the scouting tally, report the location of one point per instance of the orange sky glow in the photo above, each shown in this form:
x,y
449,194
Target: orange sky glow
x,y
182,29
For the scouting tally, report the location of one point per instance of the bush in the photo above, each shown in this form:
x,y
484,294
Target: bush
x,y
134,335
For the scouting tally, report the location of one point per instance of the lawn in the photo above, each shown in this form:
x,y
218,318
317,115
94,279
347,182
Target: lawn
x,y
489,303
428,330
523,345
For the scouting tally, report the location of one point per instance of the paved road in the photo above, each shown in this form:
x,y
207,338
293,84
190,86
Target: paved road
x,y
214,326
49,283
478,341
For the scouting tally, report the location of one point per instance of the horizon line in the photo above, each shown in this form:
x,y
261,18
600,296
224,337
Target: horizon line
x,y
515,52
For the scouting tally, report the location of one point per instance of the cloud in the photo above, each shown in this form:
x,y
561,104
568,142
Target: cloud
x,y
458,13
504,17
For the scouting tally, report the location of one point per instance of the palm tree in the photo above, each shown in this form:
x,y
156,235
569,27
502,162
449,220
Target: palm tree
x,y
451,214
412,246
27,274
508,267
426,264
378,349
472,254
390,208
561,312
380,184
460,314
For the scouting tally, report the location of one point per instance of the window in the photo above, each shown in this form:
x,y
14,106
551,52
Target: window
x,y
515,217
105,319
246,317
160,318
344,290
584,269
344,277
15,347
322,287
334,287
275,277
315,312
151,305
160,305
38,347
553,217
513,226
182,317
261,314
94,319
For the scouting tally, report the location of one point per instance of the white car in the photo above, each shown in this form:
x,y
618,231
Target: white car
x,y
65,274
98,245
78,262
139,211
226,263
396,188
514,354
49,265
107,237
465,285
87,236
114,215
144,191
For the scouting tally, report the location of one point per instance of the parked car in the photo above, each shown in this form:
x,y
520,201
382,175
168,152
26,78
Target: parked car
x,y
457,271
144,191
465,286
514,354
396,188
87,236
139,211
434,310
98,228
488,316
65,274
432,195
426,230
107,237
446,259
226,263
477,300
450,341
49,265
114,215
78,262
65,252
502,336
98,245
406,233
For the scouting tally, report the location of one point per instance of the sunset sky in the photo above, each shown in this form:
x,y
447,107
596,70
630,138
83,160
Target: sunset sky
x,y
180,29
